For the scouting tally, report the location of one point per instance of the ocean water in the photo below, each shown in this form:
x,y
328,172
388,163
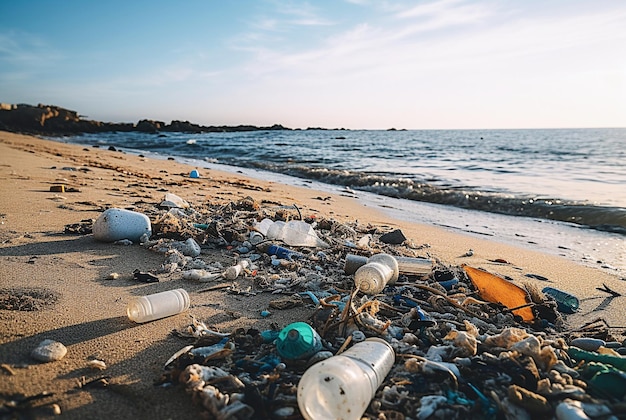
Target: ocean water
x,y
559,189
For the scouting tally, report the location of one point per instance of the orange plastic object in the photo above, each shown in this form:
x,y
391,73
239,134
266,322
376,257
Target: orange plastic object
x,y
498,290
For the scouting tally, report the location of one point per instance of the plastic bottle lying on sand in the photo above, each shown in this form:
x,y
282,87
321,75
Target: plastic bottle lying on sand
x,y
380,270
342,386
413,266
158,305
117,224
231,273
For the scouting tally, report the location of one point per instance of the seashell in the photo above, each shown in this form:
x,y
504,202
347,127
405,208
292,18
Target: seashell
x,y
177,355
49,351
199,373
465,344
96,364
532,402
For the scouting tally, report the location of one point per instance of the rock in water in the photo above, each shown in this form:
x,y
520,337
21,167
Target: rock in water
x,y
49,351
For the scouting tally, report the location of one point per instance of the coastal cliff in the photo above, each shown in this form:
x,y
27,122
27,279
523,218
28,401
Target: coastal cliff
x,y
54,120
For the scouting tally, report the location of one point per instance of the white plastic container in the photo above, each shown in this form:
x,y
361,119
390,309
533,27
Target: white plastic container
x,y
380,270
116,224
342,386
295,233
158,305
232,272
414,266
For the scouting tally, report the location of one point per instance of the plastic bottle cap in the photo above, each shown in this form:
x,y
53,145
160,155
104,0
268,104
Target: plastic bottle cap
x,y
298,341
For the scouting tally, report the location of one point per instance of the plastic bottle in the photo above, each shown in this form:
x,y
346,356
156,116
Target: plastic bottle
x,y
342,386
414,266
158,305
353,262
298,341
406,265
295,233
233,272
380,270
117,224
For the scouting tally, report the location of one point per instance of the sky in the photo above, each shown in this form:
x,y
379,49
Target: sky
x,y
355,64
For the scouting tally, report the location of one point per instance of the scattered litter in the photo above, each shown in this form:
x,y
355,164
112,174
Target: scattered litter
x,y
566,302
96,364
144,277
451,342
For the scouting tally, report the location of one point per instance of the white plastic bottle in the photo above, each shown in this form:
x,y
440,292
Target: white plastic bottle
x,y
158,305
380,270
342,386
414,266
116,224
232,272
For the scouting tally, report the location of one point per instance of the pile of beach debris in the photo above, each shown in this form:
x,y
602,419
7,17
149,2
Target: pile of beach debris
x,y
467,343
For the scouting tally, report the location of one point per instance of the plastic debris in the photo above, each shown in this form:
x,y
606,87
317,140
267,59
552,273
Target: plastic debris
x,y
467,343
498,290
566,302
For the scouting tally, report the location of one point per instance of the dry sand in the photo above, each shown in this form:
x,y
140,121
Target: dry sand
x,y
86,311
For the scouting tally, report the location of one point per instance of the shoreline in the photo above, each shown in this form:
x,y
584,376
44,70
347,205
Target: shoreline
x,y
89,312
589,247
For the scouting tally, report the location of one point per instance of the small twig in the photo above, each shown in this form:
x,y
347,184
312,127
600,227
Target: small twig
x,y
344,345
216,287
606,289
451,301
299,214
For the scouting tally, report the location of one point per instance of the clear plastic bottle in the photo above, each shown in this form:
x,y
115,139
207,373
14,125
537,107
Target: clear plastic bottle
x,y
159,305
380,270
295,233
414,266
342,386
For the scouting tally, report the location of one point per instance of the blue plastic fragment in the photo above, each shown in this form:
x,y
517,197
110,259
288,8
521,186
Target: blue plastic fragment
x,y
269,335
312,296
566,303
283,253
489,410
449,284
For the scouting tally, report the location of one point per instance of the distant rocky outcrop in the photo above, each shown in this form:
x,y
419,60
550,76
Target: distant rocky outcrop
x,y
54,120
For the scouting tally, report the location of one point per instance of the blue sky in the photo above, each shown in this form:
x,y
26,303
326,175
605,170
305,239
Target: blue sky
x,y
351,63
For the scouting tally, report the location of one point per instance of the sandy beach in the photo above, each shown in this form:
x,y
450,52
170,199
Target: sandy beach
x,y
81,307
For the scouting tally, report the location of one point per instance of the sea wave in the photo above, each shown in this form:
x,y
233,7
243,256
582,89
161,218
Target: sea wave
x,y
603,218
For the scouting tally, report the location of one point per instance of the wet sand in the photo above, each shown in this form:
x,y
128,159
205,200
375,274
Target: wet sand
x,y
66,276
